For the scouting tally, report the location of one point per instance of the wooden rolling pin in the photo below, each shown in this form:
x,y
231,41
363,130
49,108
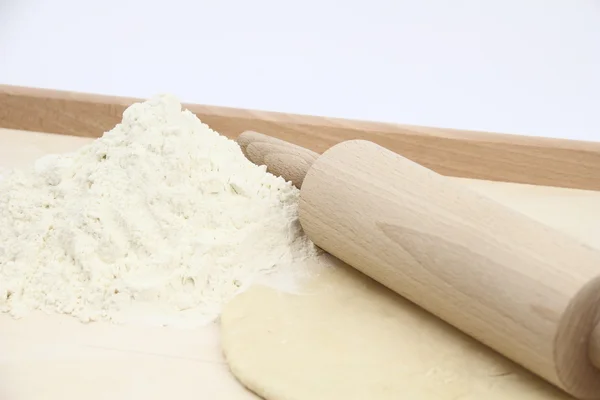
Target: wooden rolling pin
x,y
530,292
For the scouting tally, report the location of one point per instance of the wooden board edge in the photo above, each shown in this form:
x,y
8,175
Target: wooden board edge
x,y
452,152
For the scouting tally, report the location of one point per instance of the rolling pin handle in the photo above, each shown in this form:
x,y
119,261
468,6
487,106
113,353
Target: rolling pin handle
x,y
282,158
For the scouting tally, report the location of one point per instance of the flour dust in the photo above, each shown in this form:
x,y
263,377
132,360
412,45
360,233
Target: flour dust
x,y
160,221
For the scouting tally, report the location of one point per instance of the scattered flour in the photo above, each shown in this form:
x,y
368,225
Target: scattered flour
x,y
160,221
3,172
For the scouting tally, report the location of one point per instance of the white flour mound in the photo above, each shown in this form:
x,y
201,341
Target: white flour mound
x,y
160,221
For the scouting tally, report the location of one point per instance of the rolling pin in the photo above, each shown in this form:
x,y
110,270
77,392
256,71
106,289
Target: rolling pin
x,y
529,292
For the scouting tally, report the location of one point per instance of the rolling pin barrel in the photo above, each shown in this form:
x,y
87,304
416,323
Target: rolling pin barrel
x,y
520,287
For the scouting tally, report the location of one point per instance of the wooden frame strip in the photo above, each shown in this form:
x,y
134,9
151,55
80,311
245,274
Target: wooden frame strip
x,y
468,154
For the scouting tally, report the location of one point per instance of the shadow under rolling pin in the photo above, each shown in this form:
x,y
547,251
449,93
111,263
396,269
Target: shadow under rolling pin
x,y
529,292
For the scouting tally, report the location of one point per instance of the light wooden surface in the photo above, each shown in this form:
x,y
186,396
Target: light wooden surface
x,y
55,358
451,152
58,358
496,274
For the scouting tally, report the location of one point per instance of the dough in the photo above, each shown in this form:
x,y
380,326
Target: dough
x,y
347,337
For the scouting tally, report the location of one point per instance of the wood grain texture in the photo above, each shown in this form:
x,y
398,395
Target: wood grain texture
x,y
529,292
478,155
595,346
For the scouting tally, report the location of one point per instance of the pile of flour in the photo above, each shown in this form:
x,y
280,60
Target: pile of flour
x,y
160,221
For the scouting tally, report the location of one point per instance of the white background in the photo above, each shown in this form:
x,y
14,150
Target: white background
x,y
513,66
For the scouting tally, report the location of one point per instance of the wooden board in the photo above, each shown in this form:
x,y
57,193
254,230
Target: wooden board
x,y
477,155
56,357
